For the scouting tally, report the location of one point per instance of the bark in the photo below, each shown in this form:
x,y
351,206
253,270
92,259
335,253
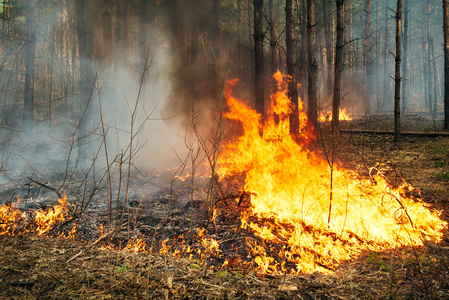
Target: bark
x,y
338,67
259,58
30,63
291,69
397,75
367,53
312,86
446,62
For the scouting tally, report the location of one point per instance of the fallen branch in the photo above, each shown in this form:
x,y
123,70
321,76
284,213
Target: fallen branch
x,y
404,133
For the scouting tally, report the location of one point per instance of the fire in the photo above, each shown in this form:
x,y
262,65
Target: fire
x,y
13,221
343,115
45,220
308,215
9,218
136,245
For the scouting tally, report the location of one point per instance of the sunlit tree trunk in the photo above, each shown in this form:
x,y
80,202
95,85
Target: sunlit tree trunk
x,y
338,68
312,86
397,74
291,69
259,58
30,62
446,62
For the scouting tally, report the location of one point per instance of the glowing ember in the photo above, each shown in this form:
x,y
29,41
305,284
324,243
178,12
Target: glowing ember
x,y
303,222
343,116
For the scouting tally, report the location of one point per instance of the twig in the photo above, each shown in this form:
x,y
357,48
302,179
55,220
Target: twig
x,y
96,242
56,190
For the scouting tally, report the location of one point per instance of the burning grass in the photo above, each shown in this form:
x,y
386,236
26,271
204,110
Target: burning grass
x,y
310,213
302,226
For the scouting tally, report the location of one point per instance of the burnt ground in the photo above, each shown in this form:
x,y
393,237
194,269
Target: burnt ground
x,y
55,268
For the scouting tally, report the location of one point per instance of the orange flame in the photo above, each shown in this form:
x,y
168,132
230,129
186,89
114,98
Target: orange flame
x,y
343,116
12,220
46,220
307,222
136,245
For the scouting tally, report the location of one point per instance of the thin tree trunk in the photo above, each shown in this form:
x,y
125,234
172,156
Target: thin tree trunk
x,y
259,60
30,62
273,43
446,62
338,68
386,78
251,42
435,78
291,69
405,59
312,112
397,75
239,17
87,75
367,53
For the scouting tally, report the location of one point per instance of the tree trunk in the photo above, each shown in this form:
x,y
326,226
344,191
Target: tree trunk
x,y
397,75
144,45
367,53
405,59
291,69
259,60
251,42
338,67
312,86
386,77
273,43
29,61
446,62
87,74
435,78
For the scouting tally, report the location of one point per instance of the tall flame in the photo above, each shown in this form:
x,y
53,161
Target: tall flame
x,y
312,216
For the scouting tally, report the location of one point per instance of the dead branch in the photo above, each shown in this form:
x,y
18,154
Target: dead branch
x,y
407,133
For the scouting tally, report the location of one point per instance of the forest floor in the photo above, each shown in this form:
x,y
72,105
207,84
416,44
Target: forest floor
x,y
55,268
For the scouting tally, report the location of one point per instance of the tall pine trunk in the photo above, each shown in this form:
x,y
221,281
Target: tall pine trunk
x,y
405,59
291,69
397,75
312,86
367,53
259,60
30,62
338,68
446,62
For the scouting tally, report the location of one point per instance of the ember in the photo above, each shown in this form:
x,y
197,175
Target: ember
x,y
310,216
